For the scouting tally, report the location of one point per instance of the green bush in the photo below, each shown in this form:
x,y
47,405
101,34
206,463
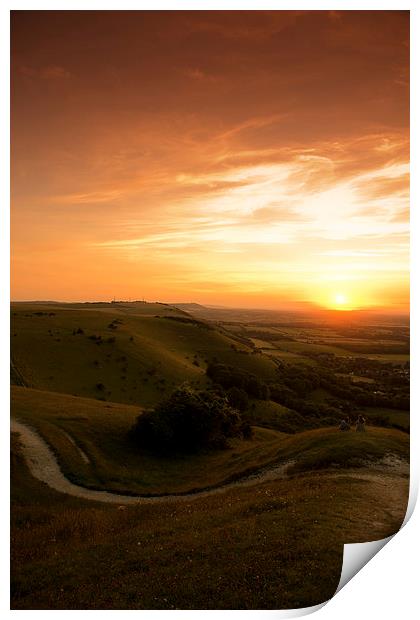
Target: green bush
x,y
189,421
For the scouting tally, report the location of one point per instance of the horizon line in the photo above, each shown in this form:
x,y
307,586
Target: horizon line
x,y
308,306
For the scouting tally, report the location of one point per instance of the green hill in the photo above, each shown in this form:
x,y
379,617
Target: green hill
x,y
178,554
90,439
130,353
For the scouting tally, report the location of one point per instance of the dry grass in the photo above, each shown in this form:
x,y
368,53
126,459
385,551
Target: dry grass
x,y
276,546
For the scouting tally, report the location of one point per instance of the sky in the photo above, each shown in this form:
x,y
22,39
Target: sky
x,y
239,158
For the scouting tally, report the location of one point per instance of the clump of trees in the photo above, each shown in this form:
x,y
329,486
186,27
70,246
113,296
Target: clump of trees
x,y
188,320
189,421
229,377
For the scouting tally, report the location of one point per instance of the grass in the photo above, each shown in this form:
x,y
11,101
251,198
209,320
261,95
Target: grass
x,y
355,378
122,354
325,448
298,349
279,546
342,341
396,358
262,344
302,347
266,413
287,356
319,395
100,430
394,416
275,545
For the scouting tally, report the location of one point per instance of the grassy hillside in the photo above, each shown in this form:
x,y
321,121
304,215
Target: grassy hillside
x,y
128,353
91,443
84,372
266,413
277,546
326,448
90,439
393,416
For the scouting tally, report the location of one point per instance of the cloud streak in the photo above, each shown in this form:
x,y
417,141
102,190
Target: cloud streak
x,y
210,151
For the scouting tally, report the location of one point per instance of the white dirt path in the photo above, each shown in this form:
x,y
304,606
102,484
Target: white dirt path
x,y
43,465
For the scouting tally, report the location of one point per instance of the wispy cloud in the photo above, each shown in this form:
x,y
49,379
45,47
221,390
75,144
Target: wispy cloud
x,y
88,198
47,72
214,150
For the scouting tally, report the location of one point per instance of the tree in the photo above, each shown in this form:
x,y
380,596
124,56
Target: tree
x,y
188,421
238,398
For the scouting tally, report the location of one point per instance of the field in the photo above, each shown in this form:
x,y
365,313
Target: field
x,y
282,501
286,538
386,343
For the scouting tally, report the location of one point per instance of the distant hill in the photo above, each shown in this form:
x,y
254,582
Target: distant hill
x,y
134,353
188,307
245,315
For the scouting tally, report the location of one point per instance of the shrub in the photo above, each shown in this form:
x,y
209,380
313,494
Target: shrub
x,y
228,377
188,421
238,398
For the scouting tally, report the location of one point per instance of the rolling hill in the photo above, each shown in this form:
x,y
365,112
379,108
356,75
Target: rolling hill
x,y
129,353
82,373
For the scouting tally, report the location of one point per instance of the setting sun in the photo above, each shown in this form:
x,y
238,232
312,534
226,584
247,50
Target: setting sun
x,y
188,183
340,299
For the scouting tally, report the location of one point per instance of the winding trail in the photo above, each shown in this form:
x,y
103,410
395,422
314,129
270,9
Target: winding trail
x,y
43,465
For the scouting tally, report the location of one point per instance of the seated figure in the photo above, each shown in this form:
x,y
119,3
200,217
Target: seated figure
x,y
344,425
360,424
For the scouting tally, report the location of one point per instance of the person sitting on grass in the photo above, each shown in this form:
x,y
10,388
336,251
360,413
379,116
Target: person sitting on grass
x,y
360,424
344,424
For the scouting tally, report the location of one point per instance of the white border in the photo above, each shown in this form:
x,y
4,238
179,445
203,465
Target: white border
x,y
387,586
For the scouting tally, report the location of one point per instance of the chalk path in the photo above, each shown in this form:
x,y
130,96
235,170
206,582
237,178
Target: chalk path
x,y
43,465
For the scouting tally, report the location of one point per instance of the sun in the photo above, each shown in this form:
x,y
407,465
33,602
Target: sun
x,y
340,299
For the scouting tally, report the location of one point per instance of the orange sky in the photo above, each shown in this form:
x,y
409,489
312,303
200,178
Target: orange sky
x,y
238,158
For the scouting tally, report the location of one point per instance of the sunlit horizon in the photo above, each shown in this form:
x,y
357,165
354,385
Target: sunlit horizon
x,y
212,157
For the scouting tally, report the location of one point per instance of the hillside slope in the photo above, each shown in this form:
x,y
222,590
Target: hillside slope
x,y
286,538
90,439
128,353
91,442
